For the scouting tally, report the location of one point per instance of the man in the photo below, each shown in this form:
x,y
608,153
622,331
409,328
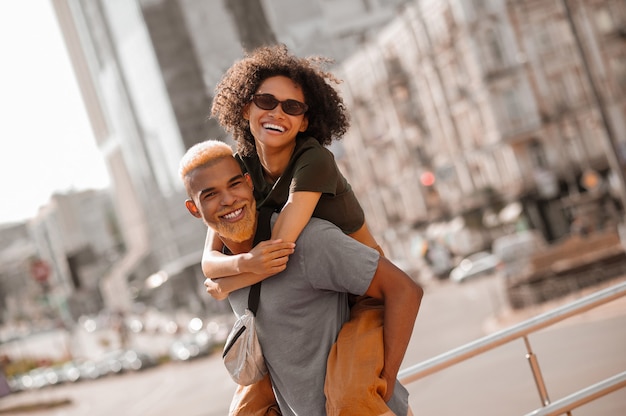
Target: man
x,y
302,309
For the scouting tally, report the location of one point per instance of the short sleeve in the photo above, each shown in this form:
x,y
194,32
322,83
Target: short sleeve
x,y
335,261
315,170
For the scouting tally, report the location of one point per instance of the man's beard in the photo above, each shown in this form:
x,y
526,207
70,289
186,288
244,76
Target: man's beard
x,y
240,231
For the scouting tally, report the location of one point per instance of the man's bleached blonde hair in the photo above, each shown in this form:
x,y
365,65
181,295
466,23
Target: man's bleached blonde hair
x,y
203,154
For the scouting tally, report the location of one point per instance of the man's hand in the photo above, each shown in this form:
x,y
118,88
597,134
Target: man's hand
x,y
266,258
391,384
214,289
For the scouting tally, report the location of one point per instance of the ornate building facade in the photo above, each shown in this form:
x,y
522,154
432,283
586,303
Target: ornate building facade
x,y
464,108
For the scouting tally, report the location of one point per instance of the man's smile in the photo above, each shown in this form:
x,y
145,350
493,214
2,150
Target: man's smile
x,y
233,215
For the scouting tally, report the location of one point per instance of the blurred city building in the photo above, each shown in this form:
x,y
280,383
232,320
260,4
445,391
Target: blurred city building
x,y
470,120
52,267
78,237
17,289
146,69
488,115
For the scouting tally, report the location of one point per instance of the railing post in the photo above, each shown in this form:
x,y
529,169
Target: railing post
x,y
534,367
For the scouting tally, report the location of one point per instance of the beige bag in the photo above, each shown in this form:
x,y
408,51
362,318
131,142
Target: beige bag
x,y
242,355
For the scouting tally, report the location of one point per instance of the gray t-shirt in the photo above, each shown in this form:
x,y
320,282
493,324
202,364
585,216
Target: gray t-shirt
x,y
301,311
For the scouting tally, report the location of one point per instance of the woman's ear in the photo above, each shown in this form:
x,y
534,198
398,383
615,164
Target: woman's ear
x,y
304,125
192,208
246,112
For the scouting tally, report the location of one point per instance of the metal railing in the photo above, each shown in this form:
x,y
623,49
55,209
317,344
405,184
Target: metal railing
x,y
586,395
522,330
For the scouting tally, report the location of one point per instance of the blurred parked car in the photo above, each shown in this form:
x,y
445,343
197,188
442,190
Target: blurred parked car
x,y
516,250
136,360
34,379
118,361
70,372
113,362
190,346
218,330
474,265
88,369
110,363
439,259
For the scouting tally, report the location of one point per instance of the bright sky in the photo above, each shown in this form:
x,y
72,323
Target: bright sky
x,y
46,143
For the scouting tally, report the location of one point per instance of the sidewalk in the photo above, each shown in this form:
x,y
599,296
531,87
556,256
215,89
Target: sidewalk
x,y
18,408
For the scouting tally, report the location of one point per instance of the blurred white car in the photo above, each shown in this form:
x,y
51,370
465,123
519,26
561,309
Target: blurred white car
x,y
516,250
476,264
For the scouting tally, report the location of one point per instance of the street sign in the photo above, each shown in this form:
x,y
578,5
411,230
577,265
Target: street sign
x,y
40,270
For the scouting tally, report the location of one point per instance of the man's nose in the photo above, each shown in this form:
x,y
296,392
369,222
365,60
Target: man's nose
x,y
228,198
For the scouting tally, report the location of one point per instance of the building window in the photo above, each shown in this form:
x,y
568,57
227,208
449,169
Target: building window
x,y
492,51
542,38
618,68
573,151
495,47
537,155
478,174
570,87
559,92
513,108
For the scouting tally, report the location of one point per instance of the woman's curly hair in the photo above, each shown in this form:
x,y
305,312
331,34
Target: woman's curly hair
x,y
327,114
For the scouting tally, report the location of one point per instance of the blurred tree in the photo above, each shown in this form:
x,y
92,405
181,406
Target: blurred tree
x,y
251,22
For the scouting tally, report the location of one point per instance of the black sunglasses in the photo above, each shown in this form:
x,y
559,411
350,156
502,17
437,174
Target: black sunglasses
x,y
269,102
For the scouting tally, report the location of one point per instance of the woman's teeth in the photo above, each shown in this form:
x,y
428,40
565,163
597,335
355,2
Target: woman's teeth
x,y
274,127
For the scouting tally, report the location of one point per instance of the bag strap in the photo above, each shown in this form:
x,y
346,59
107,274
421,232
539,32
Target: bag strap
x,y
263,232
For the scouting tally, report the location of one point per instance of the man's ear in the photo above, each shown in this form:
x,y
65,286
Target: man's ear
x,y
304,125
248,180
192,208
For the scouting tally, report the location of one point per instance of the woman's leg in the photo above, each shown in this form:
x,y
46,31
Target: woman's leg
x,y
353,384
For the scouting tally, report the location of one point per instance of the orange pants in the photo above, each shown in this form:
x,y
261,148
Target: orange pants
x,y
353,384
255,400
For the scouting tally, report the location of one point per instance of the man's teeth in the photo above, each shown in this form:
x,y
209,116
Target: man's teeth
x,y
233,214
274,127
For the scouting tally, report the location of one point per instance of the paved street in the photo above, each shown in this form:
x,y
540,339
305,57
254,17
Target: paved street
x,y
572,355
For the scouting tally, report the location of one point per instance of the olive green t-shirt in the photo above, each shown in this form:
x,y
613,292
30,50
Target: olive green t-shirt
x,y
312,168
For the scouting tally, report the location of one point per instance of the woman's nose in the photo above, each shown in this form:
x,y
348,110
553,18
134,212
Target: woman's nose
x,y
277,112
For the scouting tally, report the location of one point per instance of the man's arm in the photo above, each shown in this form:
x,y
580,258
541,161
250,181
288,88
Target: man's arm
x,y
401,297
219,288
224,272
268,257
